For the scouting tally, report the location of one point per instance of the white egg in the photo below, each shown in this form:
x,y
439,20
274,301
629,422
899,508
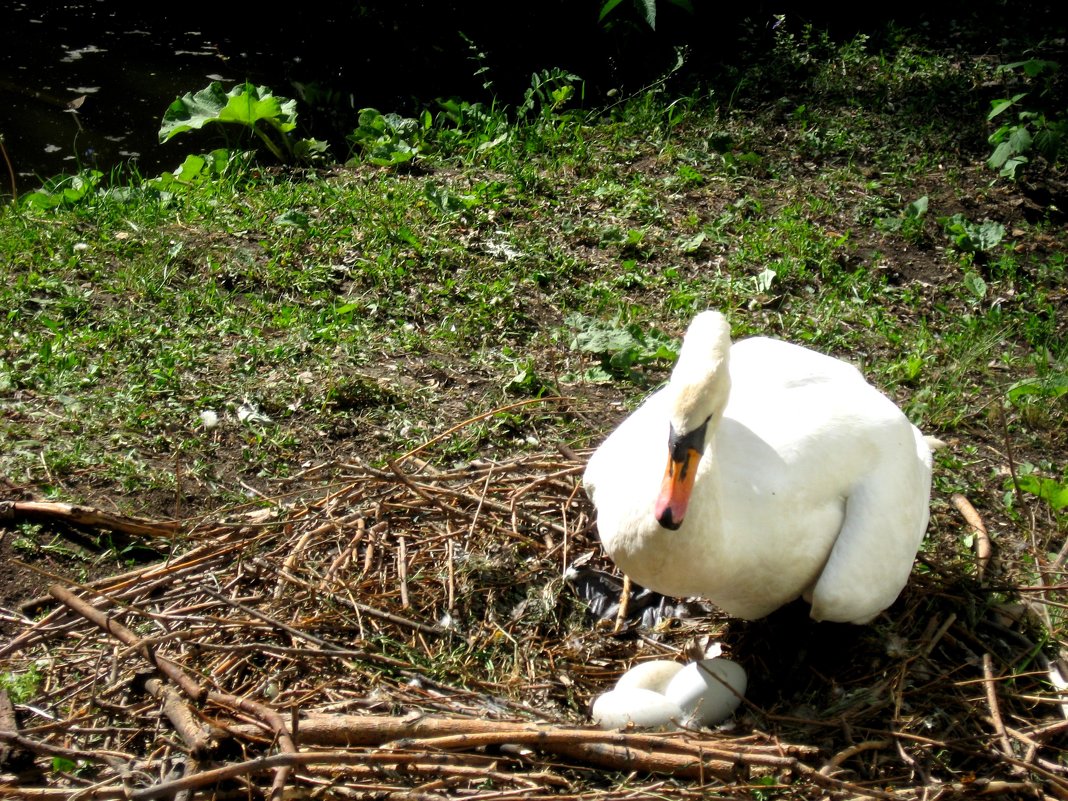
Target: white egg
x,y
706,699
616,709
653,675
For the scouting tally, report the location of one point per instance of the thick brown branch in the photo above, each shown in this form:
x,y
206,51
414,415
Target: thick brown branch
x,y
86,517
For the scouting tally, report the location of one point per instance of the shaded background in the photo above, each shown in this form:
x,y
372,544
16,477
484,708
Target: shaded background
x,y
125,64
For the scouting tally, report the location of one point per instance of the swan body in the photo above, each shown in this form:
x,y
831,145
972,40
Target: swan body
x,y
789,475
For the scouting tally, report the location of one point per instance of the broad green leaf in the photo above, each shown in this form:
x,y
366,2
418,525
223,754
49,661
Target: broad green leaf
x,y
310,149
293,219
998,107
603,339
621,348
989,235
650,13
1000,156
386,139
691,244
975,284
66,190
1052,492
1020,139
1048,142
63,765
1033,67
765,279
1013,164
190,169
245,105
917,208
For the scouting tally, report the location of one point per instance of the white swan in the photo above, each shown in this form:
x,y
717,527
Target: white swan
x,y
787,475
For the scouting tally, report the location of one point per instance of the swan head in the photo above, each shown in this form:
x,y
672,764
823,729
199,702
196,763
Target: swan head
x,y
696,396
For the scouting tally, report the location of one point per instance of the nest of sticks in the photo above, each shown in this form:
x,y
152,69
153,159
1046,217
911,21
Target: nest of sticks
x,y
416,633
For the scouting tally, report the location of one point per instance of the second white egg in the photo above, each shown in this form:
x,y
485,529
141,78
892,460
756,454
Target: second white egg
x,y
708,691
654,675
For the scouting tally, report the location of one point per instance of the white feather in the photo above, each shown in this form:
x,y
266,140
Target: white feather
x,y
812,482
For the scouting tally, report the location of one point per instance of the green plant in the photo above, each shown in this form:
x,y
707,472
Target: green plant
x,y
470,129
969,237
388,139
1051,490
195,169
621,348
63,191
910,222
1032,130
270,118
1051,387
549,91
22,687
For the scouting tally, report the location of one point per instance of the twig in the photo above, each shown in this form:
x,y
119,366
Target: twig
x,y
345,556
450,556
983,548
292,558
47,749
196,739
680,756
10,171
624,603
176,674
418,762
477,418
7,723
63,793
868,745
422,493
365,608
938,635
402,571
992,704
481,500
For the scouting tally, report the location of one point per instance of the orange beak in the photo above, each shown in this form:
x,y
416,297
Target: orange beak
x,y
676,488
684,453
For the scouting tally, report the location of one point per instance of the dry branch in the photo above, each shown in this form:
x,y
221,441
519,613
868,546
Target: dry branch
x,y
86,517
684,755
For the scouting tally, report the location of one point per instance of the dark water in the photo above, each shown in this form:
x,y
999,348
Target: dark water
x,y
86,84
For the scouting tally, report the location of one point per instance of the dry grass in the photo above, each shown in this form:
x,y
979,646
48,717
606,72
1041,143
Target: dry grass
x,y
411,634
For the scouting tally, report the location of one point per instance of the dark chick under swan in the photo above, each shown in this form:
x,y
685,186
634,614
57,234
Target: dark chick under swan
x,y
788,475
